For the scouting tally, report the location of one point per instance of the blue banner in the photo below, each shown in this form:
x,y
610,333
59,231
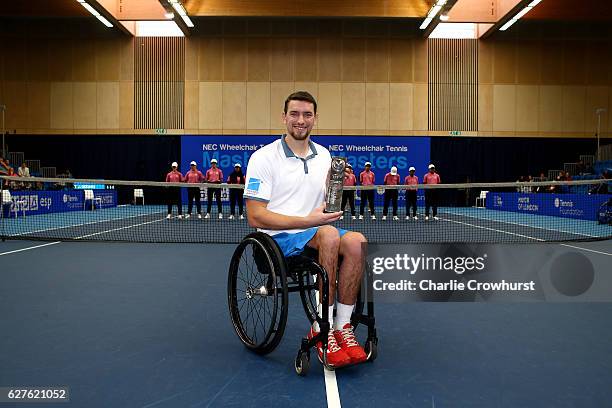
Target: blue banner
x,y
45,202
578,206
382,151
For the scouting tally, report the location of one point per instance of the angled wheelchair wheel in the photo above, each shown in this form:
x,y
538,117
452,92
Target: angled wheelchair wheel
x,y
257,293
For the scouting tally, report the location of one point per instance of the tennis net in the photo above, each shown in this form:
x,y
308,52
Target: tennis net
x,y
137,211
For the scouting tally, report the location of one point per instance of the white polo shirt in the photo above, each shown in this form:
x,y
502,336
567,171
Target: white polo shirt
x,y
289,184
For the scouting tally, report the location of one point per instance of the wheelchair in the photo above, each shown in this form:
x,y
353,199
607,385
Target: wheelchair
x,y
259,281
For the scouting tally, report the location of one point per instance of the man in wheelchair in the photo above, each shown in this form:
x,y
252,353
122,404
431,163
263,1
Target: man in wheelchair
x,y
285,195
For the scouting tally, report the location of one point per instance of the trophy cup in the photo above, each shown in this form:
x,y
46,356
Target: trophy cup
x,y
335,185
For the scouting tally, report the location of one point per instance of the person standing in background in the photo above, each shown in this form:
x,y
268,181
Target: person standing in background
x,y
174,193
214,175
236,194
367,178
412,182
431,195
391,179
194,176
349,195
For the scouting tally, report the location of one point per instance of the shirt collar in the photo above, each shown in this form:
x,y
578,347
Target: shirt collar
x,y
289,153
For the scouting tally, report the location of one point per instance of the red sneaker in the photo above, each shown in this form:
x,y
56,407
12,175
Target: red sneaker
x,y
348,343
336,357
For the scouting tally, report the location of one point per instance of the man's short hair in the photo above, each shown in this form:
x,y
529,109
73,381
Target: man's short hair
x,y
301,96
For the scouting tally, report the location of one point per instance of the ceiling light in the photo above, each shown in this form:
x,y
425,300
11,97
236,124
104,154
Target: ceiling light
x,y
169,16
95,13
444,17
520,14
435,9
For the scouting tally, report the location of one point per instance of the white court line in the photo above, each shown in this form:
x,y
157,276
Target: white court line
x,y
331,388
118,229
523,225
28,248
587,249
493,229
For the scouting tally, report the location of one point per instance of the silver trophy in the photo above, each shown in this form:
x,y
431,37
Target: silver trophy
x,y
335,185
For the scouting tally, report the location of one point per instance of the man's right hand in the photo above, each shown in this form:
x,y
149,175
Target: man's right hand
x,y
319,217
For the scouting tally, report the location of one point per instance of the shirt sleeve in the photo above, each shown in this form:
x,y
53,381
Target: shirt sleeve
x,y
259,179
167,177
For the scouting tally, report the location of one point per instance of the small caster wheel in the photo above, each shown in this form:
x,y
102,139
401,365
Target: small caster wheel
x,y
302,363
371,349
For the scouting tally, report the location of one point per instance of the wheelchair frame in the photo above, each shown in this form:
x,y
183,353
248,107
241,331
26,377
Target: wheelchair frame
x,y
283,276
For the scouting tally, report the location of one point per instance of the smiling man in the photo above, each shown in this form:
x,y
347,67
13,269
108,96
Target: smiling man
x,y
285,194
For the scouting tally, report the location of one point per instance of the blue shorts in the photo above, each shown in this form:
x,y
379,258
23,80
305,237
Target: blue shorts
x,y
294,244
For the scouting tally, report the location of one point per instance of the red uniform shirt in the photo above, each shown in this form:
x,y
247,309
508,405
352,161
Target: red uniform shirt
x,y
367,178
350,180
431,178
391,180
174,177
194,176
214,175
411,181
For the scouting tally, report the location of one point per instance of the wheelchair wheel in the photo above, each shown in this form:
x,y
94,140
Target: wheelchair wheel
x,y
257,293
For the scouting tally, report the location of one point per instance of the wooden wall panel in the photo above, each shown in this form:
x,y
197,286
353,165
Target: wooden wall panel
x,y
306,57
353,108
84,105
61,114
330,106
192,49
258,59
330,59
596,97
15,99
574,101
107,104
377,112
15,53
528,62
282,59
108,60
401,106
192,105
234,106
552,62
420,107
278,93
126,55
550,117
574,72
419,58
60,58
210,59
258,105
211,105
37,59
485,108
126,105
377,60
599,62
39,98
234,59
400,60
504,108
527,101
159,83
504,62
485,61
83,60
353,59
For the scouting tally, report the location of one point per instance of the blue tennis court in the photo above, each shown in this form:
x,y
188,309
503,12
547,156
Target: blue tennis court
x,y
147,325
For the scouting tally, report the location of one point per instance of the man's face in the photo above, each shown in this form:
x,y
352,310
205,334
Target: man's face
x,y
299,119
431,170
214,165
412,172
173,168
367,168
193,167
